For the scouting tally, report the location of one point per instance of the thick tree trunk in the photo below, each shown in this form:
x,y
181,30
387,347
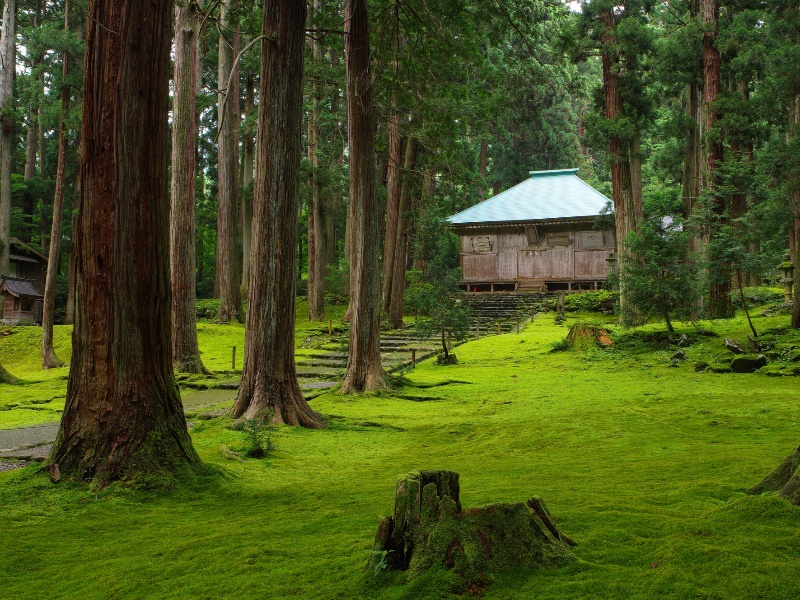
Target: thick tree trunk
x,y
227,281
123,417
7,69
426,199
316,246
49,358
401,244
785,480
719,301
794,203
248,156
269,388
626,176
185,350
393,189
364,371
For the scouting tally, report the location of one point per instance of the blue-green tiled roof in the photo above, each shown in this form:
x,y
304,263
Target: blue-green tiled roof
x,y
544,195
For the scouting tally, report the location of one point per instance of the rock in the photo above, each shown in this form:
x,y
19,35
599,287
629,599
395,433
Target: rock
x,y
430,531
55,473
734,346
721,369
701,366
680,355
683,341
748,363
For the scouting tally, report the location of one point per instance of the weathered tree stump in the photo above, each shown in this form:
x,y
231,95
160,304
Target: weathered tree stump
x,y
581,334
785,480
430,530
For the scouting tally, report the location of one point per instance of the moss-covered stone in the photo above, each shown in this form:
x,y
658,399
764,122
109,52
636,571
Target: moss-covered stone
x,y
748,363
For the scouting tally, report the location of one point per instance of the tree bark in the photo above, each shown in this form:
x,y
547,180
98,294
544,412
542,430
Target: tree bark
x,y
393,188
185,349
316,245
248,156
719,301
123,417
7,70
69,315
794,203
227,181
401,244
364,371
49,358
269,388
625,164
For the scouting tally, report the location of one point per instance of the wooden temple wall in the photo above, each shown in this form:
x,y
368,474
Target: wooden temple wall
x,y
550,252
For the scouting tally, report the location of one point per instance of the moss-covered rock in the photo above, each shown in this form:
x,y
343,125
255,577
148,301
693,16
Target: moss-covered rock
x,y
748,363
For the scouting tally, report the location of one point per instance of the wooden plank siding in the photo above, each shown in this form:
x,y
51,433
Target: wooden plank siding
x,y
565,252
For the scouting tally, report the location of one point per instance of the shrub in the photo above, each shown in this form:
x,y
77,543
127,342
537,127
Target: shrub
x,y
757,296
590,301
207,309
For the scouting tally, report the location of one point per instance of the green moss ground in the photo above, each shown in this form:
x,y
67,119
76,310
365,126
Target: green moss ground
x,y
644,465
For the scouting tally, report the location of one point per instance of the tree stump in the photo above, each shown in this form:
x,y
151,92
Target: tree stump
x,y
785,480
429,530
582,333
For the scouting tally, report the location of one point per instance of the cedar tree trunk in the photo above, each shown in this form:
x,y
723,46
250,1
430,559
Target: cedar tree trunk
x,y
269,388
49,358
794,131
719,301
393,188
401,245
364,371
185,351
226,279
7,68
625,164
123,417
248,156
316,246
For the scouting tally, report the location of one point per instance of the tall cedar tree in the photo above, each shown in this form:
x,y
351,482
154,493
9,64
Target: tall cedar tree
x,y
626,167
401,246
364,371
8,61
269,380
185,351
316,245
719,301
393,188
227,118
123,417
49,358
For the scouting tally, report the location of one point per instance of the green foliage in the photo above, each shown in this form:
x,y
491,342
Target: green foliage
x,y
757,296
662,277
590,301
258,436
207,309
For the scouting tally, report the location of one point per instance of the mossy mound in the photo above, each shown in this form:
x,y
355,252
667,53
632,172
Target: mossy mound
x,y
430,531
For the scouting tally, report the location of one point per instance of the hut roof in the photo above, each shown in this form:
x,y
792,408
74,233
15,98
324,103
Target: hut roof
x,y
543,196
26,249
21,288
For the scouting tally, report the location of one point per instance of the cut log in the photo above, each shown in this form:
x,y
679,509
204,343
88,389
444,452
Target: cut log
x,y
429,530
582,333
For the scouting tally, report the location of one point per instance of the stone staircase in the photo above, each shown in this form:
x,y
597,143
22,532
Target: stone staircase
x,y
503,309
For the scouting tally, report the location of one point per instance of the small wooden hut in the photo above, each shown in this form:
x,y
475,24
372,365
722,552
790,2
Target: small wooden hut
x,y
536,236
21,290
